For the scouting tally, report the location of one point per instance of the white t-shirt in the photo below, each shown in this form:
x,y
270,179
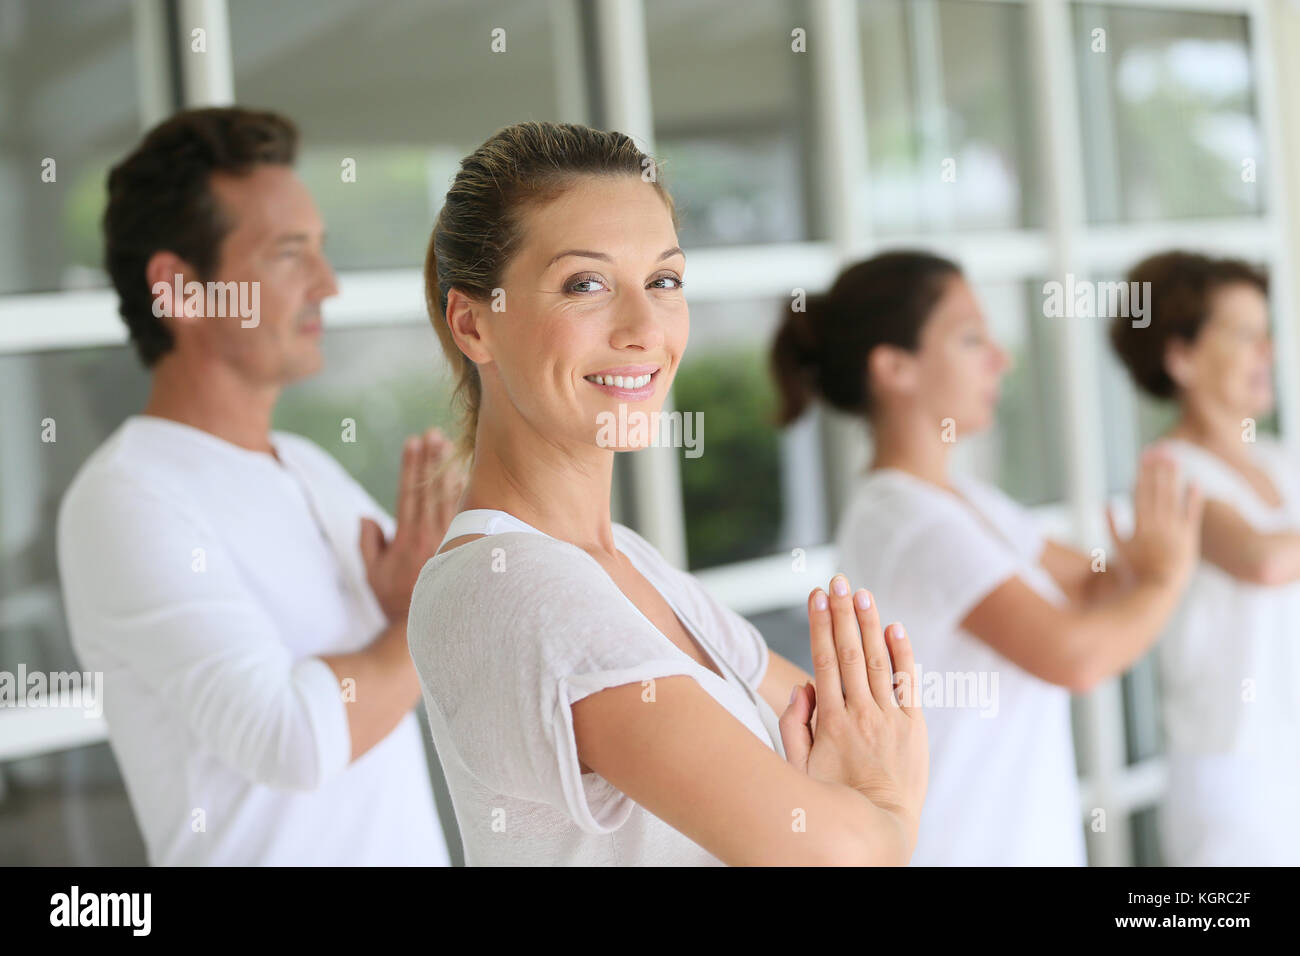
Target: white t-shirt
x,y
1229,666
1003,787
205,580
507,632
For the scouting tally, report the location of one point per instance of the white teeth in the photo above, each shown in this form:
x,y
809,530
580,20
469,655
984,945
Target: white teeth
x,y
621,381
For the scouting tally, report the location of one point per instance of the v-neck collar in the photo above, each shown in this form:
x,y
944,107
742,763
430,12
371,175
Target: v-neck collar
x,y
1260,462
959,493
489,521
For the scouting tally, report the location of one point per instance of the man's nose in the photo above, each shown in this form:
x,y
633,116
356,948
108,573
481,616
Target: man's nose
x,y
327,285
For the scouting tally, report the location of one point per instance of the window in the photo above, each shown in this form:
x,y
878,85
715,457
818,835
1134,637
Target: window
x,y
731,108
1168,111
390,97
732,489
950,127
1172,107
69,109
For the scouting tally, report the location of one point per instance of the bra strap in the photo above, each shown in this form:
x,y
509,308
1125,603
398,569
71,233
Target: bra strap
x,y
484,521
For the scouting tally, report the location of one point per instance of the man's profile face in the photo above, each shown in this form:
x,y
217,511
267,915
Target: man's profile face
x,y
275,240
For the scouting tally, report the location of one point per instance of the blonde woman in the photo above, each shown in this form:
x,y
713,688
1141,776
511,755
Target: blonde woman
x,y
590,703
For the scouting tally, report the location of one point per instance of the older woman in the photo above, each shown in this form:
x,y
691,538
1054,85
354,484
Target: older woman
x,y
1229,662
590,703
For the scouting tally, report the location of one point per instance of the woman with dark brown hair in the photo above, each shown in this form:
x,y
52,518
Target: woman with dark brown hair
x,y
590,703
1006,624
1229,663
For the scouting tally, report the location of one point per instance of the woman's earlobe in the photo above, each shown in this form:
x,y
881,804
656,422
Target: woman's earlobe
x,y
462,322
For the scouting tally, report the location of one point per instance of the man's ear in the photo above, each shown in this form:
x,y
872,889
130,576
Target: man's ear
x,y
467,330
166,272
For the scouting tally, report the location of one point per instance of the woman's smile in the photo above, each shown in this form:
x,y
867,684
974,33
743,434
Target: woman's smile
x,y
628,382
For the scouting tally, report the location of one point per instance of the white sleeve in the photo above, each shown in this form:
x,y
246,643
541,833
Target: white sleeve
x,y
939,573
507,633
148,586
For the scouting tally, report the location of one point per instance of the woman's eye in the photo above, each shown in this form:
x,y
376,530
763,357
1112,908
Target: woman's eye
x,y
578,284
674,282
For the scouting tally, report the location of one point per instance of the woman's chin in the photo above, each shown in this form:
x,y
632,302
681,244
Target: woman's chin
x,y
630,426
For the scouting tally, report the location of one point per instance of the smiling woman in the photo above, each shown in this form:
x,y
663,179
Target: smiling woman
x,y
542,630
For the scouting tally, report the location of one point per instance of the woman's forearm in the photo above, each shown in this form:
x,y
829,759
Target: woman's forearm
x,y
1109,635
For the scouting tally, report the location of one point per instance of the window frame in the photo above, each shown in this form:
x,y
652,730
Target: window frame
x,y
1066,242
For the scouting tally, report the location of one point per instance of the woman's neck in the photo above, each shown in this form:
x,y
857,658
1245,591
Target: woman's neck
x,y
913,445
563,491
1213,428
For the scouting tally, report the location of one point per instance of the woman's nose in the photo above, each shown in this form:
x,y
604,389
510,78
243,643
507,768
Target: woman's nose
x,y
638,324
1002,360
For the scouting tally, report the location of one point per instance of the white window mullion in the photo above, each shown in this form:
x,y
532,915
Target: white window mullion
x,y
153,80
835,45
1281,281
207,74
1102,726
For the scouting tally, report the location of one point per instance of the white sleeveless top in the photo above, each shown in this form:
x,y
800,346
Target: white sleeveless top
x,y
1230,656
1229,665
507,632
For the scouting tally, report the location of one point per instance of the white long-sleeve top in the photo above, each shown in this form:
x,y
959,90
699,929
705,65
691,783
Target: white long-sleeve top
x,y
205,581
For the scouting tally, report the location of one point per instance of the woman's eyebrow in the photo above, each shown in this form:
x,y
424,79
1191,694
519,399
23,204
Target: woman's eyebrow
x,y
581,253
591,254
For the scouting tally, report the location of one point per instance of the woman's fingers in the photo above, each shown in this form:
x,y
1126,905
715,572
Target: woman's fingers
x,y
1166,493
825,660
407,504
1142,491
1195,504
877,671
433,481
796,734
904,665
849,647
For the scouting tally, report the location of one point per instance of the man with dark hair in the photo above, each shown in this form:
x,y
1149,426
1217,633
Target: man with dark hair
x,y
245,599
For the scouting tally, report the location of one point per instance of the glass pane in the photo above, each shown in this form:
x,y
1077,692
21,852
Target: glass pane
x,y
1167,103
786,632
379,385
731,114
1022,453
732,491
67,809
1144,828
388,86
950,130
69,110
